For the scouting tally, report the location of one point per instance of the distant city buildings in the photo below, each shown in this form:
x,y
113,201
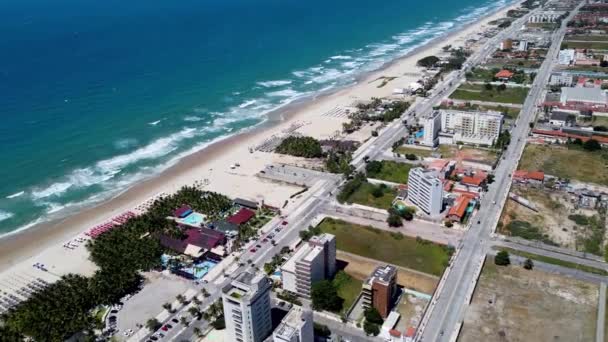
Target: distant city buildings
x,y
380,289
432,126
561,79
425,190
506,44
296,326
546,17
246,302
314,261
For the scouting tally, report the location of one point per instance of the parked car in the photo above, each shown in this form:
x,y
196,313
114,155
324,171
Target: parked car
x,y
175,320
284,223
252,250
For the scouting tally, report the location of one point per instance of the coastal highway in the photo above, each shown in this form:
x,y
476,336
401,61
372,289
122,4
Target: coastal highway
x,y
449,306
301,216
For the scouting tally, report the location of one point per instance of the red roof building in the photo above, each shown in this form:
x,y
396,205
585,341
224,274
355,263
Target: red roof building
x,y
474,180
459,209
560,135
394,333
183,211
201,239
410,332
242,216
528,176
504,74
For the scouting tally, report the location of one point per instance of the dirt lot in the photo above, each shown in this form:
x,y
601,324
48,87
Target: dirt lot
x,y
361,268
411,309
513,304
551,221
461,153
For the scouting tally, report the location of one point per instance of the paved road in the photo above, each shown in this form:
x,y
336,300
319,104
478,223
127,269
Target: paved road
x,y
449,305
338,328
601,314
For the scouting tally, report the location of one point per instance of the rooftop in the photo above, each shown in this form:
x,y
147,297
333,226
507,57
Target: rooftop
x,y
504,74
460,206
242,216
292,322
383,274
576,94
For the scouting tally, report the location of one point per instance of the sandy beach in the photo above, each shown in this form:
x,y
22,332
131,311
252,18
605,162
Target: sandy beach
x,y
313,117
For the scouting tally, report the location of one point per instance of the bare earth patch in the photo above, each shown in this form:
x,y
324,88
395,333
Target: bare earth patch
x,y
513,304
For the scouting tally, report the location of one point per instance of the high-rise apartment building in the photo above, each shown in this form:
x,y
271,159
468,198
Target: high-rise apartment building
x,y
425,190
296,326
247,307
313,262
380,289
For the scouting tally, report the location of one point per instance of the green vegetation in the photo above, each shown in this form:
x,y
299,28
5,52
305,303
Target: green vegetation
x,y
579,219
358,190
321,330
488,75
348,289
306,147
526,230
373,321
585,45
418,152
589,38
324,296
289,297
388,170
557,160
65,307
339,162
554,261
502,258
428,61
592,239
417,254
477,92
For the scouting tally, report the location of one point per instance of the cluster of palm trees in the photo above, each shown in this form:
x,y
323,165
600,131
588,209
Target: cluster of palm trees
x,y
64,308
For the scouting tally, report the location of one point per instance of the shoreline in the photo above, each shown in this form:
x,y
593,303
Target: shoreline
x,y
21,245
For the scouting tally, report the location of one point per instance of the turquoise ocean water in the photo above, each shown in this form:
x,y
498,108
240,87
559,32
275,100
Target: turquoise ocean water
x,y
97,95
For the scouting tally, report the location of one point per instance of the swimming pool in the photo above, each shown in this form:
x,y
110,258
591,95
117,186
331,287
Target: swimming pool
x,y
201,269
194,219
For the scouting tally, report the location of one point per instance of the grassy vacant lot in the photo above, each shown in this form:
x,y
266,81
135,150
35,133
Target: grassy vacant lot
x,y
590,38
585,45
348,287
400,250
477,92
419,152
566,163
600,121
392,172
553,261
514,304
363,195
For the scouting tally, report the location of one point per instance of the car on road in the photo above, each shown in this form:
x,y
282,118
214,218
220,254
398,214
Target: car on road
x,y
277,229
253,250
154,338
175,320
258,246
284,223
164,328
265,240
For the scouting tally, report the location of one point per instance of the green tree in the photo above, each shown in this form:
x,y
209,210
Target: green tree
x,y
592,145
373,167
197,332
325,296
502,258
371,329
487,86
321,330
428,61
180,298
168,307
306,147
377,192
205,293
528,264
152,324
372,315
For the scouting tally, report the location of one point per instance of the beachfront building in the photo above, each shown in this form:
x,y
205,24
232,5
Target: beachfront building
x,y
380,289
425,190
506,44
296,326
247,307
432,126
197,242
482,128
313,262
523,45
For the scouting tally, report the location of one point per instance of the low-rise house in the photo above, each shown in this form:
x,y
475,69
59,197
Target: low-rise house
x,y
504,75
196,243
459,210
534,178
241,217
562,119
245,203
561,79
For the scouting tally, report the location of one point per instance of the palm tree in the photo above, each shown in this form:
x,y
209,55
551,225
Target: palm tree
x,y
168,307
180,298
205,292
152,324
197,331
184,321
196,300
194,311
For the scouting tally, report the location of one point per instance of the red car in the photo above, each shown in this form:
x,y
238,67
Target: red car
x,y
164,328
265,240
252,250
284,223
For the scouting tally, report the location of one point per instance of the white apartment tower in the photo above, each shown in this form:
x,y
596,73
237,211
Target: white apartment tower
x,y
296,326
425,190
432,126
247,308
313,262
472,127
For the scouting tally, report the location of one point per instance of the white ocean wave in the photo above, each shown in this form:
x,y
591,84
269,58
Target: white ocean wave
x,y
15,195
5,215
52,190
340,57
125,143
154,123
272,84
193,118
284,93
247,103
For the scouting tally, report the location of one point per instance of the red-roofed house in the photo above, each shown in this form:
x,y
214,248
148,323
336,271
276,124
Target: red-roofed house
x,y
459,209
535,178
473,180
197,241
183,211
504,75
242,216
563,136
410,333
